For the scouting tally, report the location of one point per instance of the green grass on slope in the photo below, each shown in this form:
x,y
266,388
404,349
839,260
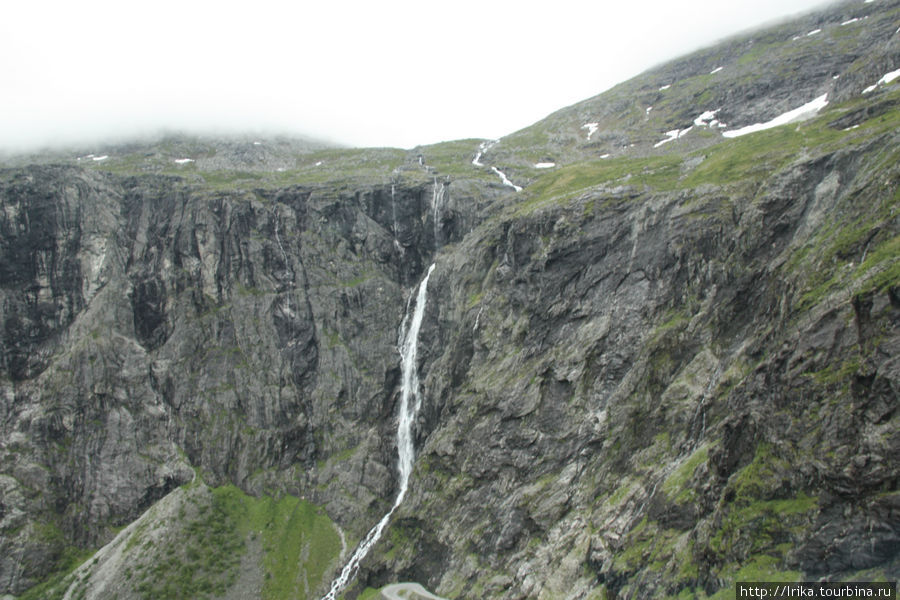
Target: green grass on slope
x,y
55,586
743,161
658,172
454,158
203,562
200,554
750,540
856,245
333,166
298,539
369,594
754,156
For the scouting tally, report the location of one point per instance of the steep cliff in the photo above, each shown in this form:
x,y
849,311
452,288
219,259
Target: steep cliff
x,y
658,390
669,363
154,329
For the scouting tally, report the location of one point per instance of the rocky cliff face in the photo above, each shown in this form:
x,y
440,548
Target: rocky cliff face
x,y
657,370
152,329
639,389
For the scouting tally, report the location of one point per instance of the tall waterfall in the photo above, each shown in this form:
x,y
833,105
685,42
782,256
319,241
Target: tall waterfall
x,y
394,215
409,406
437,203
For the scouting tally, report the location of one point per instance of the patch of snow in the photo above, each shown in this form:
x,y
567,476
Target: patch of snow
x,y
665,87
807,110
257,143
319,164
99,158
795,38
706,118
716,70
814,32
505,180
851,128
544,165
604,156
889,77
184,161
854,20
886,79
869,1
649,108
592,128
673,135
836,77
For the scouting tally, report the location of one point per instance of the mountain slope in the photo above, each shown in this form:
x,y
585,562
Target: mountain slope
x,y
748,79
664,389
658,369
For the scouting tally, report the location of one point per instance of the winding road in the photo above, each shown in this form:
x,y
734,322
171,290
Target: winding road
x,y
407,591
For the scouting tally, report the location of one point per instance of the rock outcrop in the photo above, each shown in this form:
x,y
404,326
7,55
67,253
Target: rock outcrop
x,y
655,371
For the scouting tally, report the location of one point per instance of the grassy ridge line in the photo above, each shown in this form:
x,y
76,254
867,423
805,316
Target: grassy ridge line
x,y
197,548
743,160
330,166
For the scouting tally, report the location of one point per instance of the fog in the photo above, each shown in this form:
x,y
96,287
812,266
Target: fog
x,y
392,73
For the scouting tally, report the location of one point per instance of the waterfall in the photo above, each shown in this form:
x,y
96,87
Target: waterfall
x,y
409,387
410,401
437,201
484,147
284,257
395,225
505,179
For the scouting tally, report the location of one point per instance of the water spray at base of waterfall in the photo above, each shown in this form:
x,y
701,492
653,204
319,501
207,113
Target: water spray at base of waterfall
x,y
410,402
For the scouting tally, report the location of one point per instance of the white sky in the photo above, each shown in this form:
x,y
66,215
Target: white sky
x,y
375,73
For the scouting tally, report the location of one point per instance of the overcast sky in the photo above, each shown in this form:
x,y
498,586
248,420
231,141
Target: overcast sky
x,y
376,73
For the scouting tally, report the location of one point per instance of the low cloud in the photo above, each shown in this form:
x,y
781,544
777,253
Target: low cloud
x,y
400,73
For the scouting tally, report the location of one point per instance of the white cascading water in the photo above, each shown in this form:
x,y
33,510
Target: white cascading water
x,y
395,226
437,202
409,407
484,147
